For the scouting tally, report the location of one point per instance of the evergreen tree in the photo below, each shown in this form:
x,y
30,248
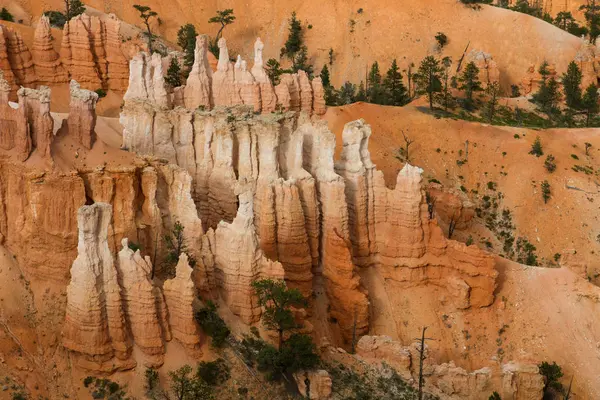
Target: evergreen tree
x,y
546,192
563,19
361,95
224,18
347,94
445,98
375,93
294,41
145,14
394,87
329,93
571,82
173,77
591,12
547,97
76,7
492,91
590,103
470,83
273,70
301,62
5,15
186,39
428,78
277,300
544,70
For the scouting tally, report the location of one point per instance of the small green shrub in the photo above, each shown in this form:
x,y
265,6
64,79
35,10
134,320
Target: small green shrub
x,y
212,324
214,372
101,93
5,15
549,163
536,147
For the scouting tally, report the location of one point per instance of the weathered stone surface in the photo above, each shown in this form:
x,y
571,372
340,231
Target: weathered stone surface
x,y
142,303
267,92
511,380
179,295
198,87
95,329
19,57
319,107
238,261
82,115
14,129
451,205
117,63
83,51
223,81
46,60
319,384
36,104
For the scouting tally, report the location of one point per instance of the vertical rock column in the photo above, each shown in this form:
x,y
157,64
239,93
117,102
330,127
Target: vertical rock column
x,y
36,105
198,90
94,328
82,115
14,130
46,60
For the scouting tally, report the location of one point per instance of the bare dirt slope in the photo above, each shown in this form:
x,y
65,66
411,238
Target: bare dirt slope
x,y
381,30
568,223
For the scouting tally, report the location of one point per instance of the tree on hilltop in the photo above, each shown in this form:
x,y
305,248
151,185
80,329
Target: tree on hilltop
x,y
186,39
470,83
571,82
394,87
224,18
145,14
590,103
428,78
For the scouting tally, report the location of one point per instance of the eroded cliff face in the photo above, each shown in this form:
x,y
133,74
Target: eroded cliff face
x,y
511,380
48,67
310,215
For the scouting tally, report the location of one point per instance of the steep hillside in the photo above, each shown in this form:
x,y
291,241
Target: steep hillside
x,y
363,31
567,224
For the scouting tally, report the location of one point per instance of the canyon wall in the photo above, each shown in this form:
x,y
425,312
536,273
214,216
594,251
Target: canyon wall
x,y
310,215
90,54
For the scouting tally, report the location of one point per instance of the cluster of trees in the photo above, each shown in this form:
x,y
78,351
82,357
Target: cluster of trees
x,y
388,90
73,8
548,97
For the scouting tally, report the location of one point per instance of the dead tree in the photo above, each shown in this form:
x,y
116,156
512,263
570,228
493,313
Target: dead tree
x,y
353,350
430,204
407,143
422,340
452,226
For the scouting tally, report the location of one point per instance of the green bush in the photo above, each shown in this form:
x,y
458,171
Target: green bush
x,y
56,18
213,372
101,93
5,15
536,147
212,324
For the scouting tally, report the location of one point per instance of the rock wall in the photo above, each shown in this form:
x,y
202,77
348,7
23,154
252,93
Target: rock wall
x,y
27,125
309,215
447,381
15,58
82,114
48,67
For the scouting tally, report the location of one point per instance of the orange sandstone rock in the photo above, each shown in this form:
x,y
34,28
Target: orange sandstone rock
x,y
82,115
46,60
198,87
36,103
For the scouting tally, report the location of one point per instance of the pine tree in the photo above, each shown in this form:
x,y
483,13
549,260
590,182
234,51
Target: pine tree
x,y
224,18
301,62
445,98
5,15
145,14
346,94
173,77
546,193
571,82
76,8
294,41
428,78
325,76
544,70
591,12
564,19
394,87
274,71
186,39
361,94
375,93
547,97
590,103
329,93
492,91
470,83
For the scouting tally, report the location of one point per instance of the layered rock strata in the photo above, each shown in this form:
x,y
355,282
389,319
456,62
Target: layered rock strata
x,y
180,293
14,128
36,103
510,380
82,114
48,67
95,330
18,66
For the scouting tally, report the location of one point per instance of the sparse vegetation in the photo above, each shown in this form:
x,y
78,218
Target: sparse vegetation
x,y
186,39
5,15
173,77
146,14
536,147
551,373
185,385
546,192
102,388
212,324
428,78
549,163
469,82
175,244
441,39
223,18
